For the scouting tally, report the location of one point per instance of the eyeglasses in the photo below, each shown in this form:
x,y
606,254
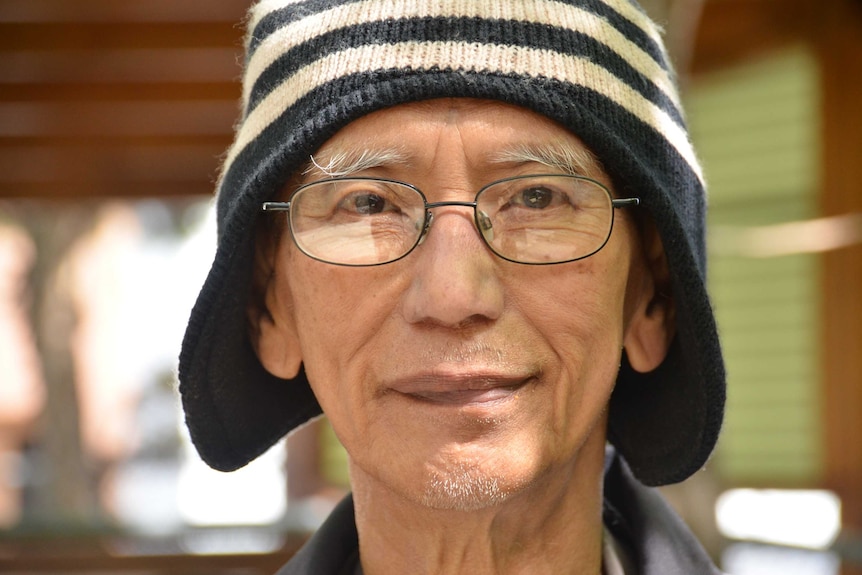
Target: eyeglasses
x,y
535,219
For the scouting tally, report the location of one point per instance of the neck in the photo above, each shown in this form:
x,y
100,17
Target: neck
x,y
553,526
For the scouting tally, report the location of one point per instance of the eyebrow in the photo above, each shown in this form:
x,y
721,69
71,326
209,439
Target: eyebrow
x,y
577,161
348,162
559,155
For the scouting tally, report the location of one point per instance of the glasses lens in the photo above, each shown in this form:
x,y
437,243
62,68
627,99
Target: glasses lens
x,y
545,219
356,221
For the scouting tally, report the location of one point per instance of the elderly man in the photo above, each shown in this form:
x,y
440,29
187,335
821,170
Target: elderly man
x,y
470,233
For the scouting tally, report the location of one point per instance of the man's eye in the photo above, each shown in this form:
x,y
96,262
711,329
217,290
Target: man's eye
x,y
535,197
368,204
364,203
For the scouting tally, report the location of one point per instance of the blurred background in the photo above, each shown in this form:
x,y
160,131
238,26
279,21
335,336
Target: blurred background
x,y
113,119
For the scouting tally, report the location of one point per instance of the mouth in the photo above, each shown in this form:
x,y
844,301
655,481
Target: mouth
x,y
463,389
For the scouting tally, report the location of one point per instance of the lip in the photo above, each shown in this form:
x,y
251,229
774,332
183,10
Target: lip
x,y
461,389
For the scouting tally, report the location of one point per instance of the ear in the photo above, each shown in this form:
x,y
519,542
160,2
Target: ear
x,y
276,346
651,311
271,325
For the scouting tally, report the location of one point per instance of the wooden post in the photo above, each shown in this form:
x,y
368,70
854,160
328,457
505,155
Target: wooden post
x,y
839,41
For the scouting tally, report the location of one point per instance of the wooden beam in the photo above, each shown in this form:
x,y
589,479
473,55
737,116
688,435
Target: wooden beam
x,y
109,162
77,191
123,11
39,36
732,31
115,65
107,92
92,120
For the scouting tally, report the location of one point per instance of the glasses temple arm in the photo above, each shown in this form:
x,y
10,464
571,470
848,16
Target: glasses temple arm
x,y
625,202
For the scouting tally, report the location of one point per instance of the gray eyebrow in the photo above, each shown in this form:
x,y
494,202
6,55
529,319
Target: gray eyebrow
x,y
562,156
347,162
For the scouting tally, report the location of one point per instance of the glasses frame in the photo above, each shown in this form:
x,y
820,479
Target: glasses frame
x,y
616,203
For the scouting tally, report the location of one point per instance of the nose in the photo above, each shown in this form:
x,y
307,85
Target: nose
x,y
455,276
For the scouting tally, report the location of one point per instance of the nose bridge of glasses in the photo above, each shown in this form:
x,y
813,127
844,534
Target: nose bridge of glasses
x,y
433,205
429,215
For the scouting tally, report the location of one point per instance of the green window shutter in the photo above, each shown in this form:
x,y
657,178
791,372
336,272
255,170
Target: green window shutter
x,y
756,127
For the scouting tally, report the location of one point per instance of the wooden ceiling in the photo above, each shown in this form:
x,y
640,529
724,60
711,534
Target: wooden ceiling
x,y
115,98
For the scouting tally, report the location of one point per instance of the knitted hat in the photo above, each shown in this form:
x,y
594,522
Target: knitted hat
x,y
597,67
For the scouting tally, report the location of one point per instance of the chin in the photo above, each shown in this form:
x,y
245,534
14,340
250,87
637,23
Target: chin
x,y
468,487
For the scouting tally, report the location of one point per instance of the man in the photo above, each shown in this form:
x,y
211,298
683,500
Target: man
x,y
472,234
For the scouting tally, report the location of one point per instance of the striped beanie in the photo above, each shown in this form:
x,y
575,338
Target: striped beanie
x,y
597,67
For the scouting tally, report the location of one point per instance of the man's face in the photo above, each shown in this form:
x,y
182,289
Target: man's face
x,y
455,378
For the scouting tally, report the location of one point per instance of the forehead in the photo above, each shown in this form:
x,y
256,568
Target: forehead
x,y
489,132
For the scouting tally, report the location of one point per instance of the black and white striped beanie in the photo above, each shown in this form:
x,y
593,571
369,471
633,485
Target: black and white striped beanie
x,y
597,67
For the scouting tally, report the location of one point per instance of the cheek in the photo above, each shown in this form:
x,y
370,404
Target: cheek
x,y
327,300
581,306
339,315
327,316
582,323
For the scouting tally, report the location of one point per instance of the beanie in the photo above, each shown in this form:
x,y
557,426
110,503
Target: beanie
x,y
597,67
